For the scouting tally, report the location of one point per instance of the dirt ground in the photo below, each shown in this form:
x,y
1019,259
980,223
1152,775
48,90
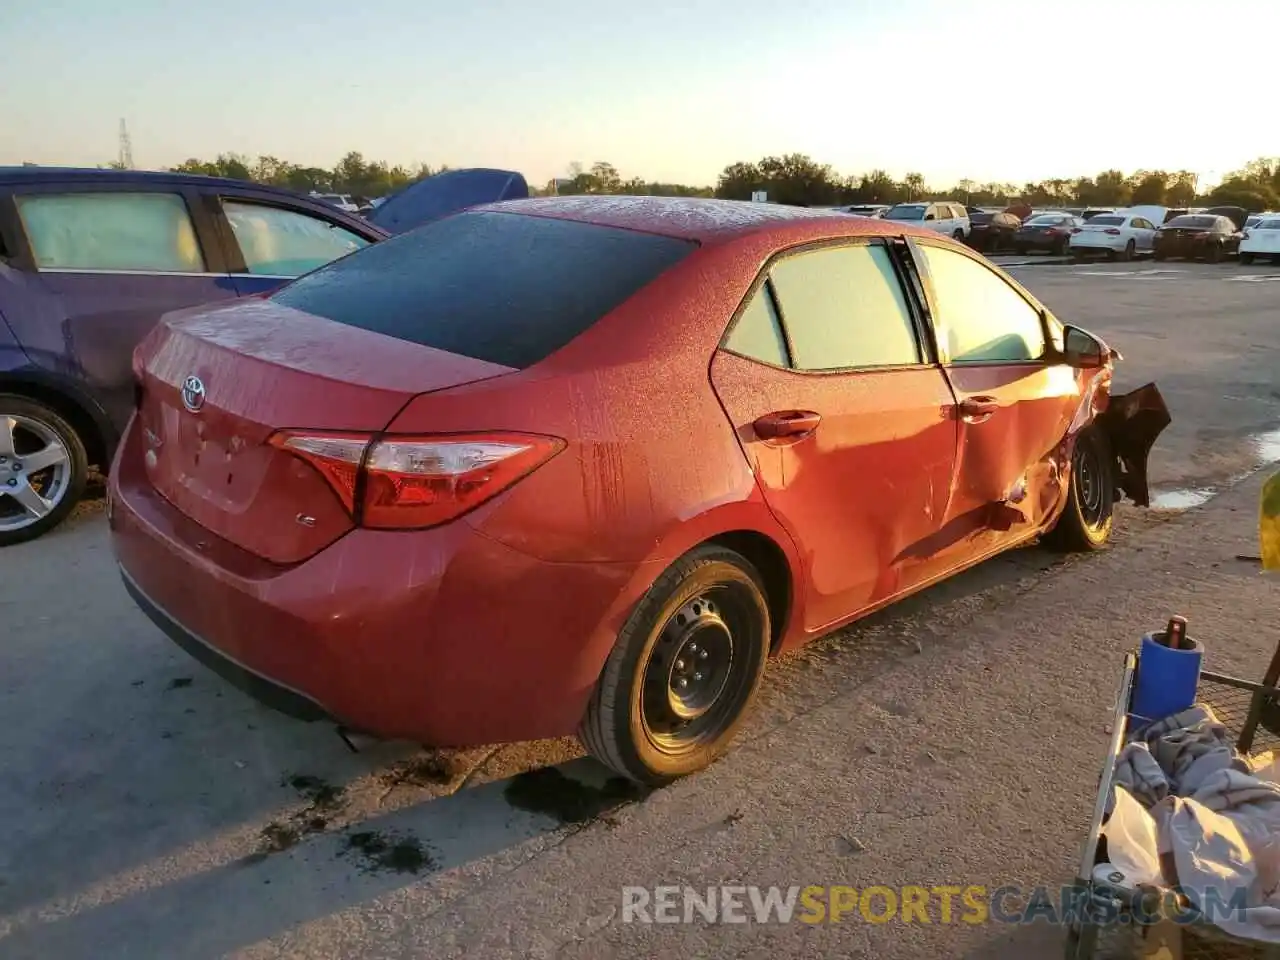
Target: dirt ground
x,y
150,810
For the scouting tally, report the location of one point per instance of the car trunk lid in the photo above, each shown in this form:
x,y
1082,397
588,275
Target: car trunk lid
x,y
446,193
216,383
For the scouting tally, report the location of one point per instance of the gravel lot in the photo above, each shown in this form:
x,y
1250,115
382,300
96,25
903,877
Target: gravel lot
x,y
150,810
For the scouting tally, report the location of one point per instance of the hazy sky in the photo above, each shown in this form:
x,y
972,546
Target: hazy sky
x,y
664,89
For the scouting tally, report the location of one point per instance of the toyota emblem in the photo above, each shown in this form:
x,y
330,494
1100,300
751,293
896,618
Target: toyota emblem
x,y
193,394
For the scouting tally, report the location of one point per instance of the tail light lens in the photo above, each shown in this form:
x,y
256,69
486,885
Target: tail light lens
x,y
1113,231
414,482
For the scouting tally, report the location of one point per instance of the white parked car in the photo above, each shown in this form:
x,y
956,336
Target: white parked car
x,y
948,218
1262,239
339,200
1123,235
873,210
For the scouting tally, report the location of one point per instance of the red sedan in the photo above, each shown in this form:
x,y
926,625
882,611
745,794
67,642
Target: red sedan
x,y
584,464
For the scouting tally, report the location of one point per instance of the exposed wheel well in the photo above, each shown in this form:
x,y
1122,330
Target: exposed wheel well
x,y
94,443
771,562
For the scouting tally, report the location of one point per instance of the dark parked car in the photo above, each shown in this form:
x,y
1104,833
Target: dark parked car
x,y
992,232
466,512
1197,236
90,260
1048,231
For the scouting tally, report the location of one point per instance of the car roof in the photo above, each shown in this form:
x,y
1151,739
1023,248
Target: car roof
x,y
15,176
697,218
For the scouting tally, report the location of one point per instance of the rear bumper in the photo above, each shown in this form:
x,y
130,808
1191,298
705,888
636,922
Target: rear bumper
x,y
1085,241
263,689
1182,248
444,637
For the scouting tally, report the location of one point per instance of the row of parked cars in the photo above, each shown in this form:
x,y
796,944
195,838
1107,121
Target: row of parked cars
x,y
1210,234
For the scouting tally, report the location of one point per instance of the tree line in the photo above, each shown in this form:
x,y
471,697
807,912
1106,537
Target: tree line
x,y
790,179
797,179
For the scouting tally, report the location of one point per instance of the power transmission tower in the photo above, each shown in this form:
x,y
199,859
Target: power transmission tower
x,y
126,147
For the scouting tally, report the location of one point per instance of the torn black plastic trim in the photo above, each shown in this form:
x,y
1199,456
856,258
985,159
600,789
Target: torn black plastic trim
x,y
1132,422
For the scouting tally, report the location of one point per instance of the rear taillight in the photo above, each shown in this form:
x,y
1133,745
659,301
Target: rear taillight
x,y
413,482
1113,231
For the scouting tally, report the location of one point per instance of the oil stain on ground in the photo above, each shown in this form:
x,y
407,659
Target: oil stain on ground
x,y
324,800
378,852
549,792
430,769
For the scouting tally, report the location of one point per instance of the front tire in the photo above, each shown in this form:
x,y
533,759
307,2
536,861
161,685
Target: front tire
x,y
684,670
1246,259
43,469
1087,519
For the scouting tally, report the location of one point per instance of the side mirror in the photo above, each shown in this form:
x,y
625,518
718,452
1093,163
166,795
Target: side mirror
x,y
1082,350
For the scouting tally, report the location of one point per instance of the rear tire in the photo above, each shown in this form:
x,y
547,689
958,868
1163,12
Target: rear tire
x,y
1214,253
37,429
1086,521
1130,249
958,236
684,670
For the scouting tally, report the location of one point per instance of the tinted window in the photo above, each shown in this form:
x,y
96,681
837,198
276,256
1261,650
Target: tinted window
x,y
1269,224
758,334
1106,220
980,218
147,232
286,243
905,212
980,317
498,287
844,307
1203,223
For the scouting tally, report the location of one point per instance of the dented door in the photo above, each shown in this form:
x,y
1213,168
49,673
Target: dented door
x,y
1014,405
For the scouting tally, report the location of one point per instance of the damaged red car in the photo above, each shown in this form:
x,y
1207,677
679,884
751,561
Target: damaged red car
x,y
585,464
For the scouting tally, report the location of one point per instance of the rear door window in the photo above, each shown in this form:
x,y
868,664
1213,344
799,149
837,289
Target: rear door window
x,y
758,332
111,231
843,307
501,287
278,242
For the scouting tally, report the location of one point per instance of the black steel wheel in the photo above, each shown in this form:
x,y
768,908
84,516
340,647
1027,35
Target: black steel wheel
x,y
684,670
1087,519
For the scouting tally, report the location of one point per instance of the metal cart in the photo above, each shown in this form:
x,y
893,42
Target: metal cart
x,y
1123,923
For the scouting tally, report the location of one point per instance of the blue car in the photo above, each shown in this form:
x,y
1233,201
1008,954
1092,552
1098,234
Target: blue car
x,y
91,259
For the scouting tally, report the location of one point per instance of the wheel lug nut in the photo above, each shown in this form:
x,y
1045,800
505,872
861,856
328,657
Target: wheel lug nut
x,y
679,664
693,648
13,483
697,676
682,683
702,654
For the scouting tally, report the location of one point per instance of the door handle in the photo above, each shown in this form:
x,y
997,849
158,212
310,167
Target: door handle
x,y
978,409
790,423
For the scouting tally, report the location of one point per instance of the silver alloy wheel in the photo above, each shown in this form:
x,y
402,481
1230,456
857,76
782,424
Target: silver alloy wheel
x,y
35,471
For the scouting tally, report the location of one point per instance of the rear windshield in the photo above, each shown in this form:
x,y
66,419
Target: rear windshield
x,y
903,212
1048,218
499,287
1192,222
981,217
1107,220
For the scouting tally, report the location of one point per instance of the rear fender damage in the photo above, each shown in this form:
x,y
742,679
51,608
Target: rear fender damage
x,y
1132,422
